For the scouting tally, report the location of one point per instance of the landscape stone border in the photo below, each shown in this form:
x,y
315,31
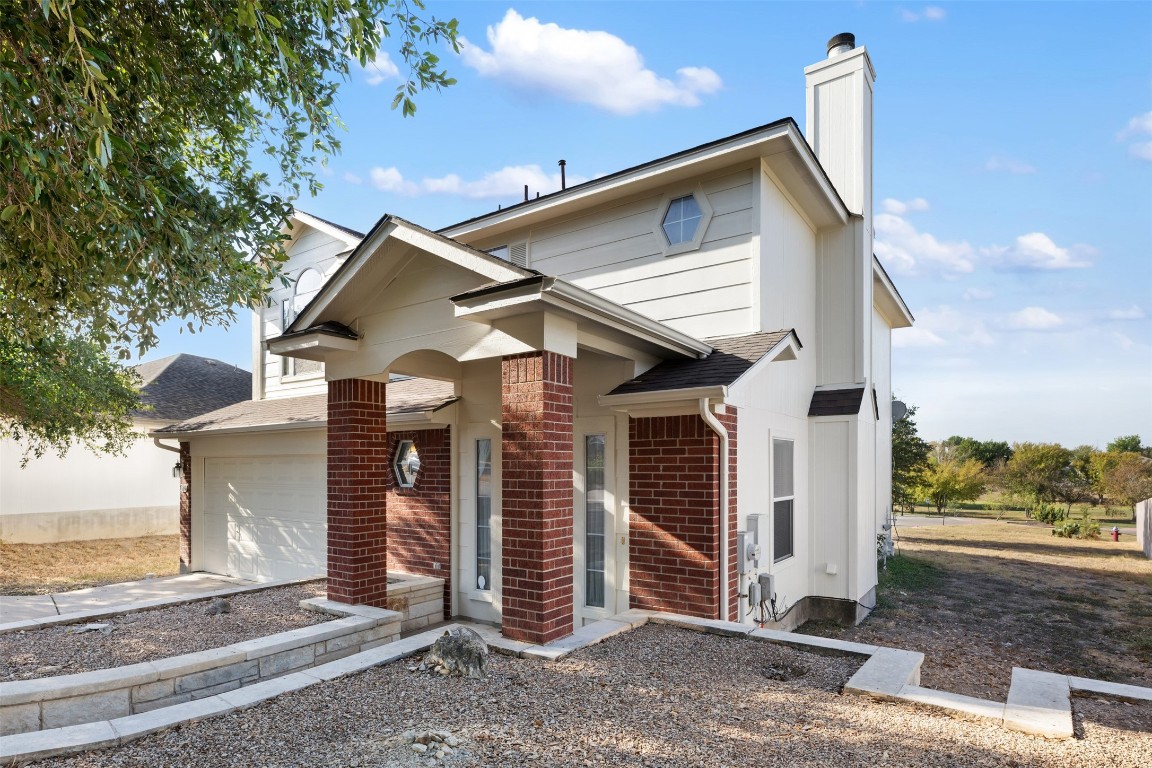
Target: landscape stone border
x,y
70,700
893,674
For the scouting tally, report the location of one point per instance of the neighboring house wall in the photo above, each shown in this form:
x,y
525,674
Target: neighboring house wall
x,y
86,495
1144,526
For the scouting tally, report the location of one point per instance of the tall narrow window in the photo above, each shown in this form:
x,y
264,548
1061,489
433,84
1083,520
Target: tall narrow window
x,y
783,496
594,514
484,514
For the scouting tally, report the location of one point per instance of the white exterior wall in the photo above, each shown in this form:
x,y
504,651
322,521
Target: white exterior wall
x,y
88,496
832,473
616,252
882,378
312,249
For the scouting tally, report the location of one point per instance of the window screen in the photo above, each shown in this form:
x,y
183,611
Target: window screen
x,y
783,534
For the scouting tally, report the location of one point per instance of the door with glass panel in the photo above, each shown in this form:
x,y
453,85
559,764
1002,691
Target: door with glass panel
x,y
594,520
479,566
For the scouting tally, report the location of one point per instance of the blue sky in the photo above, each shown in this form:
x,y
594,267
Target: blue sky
x,y
1013,171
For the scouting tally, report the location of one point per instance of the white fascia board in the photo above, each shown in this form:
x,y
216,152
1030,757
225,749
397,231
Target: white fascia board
x,y
625,401
890,302
742,148
294,426
349,239
551,293
312,346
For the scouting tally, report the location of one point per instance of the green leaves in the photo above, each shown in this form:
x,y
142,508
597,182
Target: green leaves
x,y
151,152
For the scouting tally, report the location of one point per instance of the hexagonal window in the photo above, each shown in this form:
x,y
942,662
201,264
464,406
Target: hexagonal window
x,y
681,221
406,463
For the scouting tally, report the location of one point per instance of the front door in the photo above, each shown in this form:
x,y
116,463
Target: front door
x,y
594,518
479,564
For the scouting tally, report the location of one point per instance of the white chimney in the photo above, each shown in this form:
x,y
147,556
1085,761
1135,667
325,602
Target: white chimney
x,y
838,93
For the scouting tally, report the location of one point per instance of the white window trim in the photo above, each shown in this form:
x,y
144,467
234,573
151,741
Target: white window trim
x,y
774,498
694,244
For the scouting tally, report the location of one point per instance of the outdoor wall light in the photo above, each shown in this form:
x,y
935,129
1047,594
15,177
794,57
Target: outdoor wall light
x,y
177,468
406,463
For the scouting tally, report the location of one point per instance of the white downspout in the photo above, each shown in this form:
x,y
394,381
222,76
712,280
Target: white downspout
x,y
158,444
711,420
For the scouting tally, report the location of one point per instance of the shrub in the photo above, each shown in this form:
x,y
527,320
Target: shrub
x,y
1049,513
1084,528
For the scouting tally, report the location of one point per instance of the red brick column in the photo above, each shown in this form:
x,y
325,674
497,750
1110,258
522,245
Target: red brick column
x,y
420,517
536,505
185,507
357,486
674,528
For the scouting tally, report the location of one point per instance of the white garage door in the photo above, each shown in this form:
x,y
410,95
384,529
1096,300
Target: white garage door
x,y
266,518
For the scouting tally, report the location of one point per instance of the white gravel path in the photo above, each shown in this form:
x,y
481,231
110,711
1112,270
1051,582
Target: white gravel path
x,y
156,634
658,696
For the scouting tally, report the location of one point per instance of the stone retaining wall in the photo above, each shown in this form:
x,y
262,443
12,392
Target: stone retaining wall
x,y
55,702
420,599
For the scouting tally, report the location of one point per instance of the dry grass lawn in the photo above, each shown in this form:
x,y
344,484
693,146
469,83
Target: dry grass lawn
x,y
38,569
978,600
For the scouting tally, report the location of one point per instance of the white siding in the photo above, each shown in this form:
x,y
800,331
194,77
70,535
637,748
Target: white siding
x,y
833,467
312,250
616,252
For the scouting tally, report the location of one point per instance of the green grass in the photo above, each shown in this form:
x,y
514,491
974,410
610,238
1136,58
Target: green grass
x,y
905,575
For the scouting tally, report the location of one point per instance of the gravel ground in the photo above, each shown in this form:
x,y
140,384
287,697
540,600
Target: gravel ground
x,y
658,696
157,634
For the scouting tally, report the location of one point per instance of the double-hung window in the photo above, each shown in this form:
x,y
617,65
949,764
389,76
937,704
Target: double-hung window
x,y
783,498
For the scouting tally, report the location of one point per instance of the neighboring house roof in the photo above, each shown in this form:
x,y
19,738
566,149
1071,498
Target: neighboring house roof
x,y
404,396
181,386
341,227
731,358
844,401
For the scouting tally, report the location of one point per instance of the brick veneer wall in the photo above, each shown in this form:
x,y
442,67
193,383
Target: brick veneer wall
x,y
674,531
185,507
357,488
536,508
420,517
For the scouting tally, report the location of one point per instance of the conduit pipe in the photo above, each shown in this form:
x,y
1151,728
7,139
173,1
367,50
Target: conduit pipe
x,y
722,433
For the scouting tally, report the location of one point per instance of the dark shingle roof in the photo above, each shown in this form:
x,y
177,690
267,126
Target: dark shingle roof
x,y
404,396
836,402
181,386
731,358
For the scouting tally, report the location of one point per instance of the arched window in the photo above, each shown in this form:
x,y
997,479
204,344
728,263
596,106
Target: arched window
x,y
308,284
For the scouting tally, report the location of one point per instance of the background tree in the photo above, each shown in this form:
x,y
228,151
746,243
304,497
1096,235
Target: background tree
x,y
1035,471
151,152
1127,479
987,452
909,460
1125,444
948,480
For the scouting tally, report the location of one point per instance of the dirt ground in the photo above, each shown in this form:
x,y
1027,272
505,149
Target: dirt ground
x,y
978,600
40,569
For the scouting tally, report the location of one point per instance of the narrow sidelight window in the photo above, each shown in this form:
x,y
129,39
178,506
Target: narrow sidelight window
x,y
484,514
594,514
783,496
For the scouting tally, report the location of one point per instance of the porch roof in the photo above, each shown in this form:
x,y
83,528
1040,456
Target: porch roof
x,y
731,358
405,396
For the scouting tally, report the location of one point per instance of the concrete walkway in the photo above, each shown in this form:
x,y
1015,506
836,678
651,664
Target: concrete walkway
x,y
126,594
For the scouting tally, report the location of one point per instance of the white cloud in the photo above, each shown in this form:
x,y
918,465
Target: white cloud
x,y
953,327
381,69
507,182
391,180
907,251
352,178
1037,251
996,163
1034,319
1133,312
908,338
928,13
585,66
978,294
901,207
1137,132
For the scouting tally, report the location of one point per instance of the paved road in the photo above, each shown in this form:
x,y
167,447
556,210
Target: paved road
x,y
923,521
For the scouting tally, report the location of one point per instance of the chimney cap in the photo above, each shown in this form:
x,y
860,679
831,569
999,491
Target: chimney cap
x,y
845,41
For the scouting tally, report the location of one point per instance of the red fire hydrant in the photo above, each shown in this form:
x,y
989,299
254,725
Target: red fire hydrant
x,y
1115,533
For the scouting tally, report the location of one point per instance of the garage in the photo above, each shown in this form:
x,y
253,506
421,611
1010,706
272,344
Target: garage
x,y
265,518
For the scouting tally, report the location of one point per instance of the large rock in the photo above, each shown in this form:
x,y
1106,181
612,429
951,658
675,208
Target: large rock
x,y
459,651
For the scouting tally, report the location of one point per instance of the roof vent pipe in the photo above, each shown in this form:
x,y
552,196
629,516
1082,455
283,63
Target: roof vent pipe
x,y
841,43
563,181
525,193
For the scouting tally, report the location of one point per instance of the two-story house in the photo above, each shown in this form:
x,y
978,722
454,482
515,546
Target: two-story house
x,y
647,390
